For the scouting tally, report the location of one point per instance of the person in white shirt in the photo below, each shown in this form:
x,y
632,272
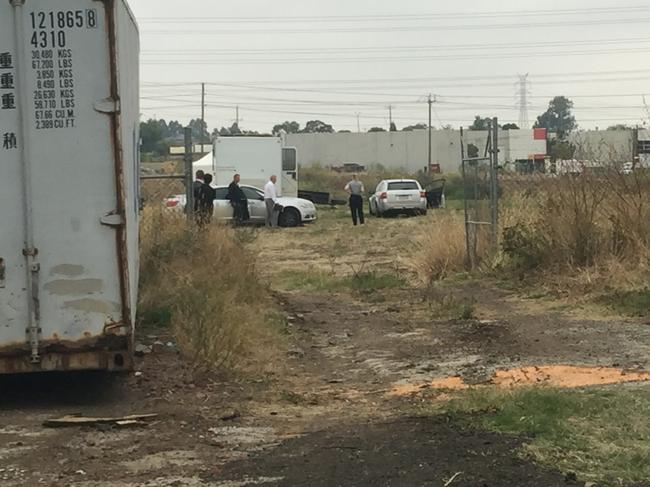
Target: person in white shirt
x,y
270,198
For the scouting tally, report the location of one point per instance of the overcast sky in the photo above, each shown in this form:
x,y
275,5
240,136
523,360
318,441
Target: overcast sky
x,y
331,60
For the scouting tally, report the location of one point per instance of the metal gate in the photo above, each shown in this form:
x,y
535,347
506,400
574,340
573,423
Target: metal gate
x,y
479,168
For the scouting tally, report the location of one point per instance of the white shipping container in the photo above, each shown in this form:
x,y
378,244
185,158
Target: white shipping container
x,y
69,143
255,159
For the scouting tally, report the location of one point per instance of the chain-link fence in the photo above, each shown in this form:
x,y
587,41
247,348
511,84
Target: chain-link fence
x,y
583,211
166,192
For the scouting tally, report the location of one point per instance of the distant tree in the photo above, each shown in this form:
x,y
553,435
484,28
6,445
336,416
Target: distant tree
x,y
560,149
620,126
558,117
316,127
345,132
417,126
199,130
377,129
393,127
152,135
288,127
175,129
224,132
481,123
510,126
234,129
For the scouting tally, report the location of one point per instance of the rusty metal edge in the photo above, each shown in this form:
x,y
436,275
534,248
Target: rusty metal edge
x,y
118,361
121,237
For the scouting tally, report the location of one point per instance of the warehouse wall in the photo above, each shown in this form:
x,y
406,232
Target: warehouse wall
x,y
407,150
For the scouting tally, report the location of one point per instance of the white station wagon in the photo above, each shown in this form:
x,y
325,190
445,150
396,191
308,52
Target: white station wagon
x,y
398,196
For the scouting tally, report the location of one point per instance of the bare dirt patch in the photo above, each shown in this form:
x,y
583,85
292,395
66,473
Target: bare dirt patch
x,y
322,413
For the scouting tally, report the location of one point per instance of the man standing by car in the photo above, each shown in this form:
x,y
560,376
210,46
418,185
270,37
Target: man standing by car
x,y
205,200
270,199
355,189
196,187
238,201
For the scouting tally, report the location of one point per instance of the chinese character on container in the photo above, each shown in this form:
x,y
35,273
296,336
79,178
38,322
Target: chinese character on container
x,y
9,141
6,60
7,81
8,101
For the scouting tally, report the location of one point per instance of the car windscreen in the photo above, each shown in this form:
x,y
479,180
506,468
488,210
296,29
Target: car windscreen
x,y
221,193
403,186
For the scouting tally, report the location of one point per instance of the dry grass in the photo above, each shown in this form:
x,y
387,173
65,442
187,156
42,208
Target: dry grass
x,y
441,248
581,237
207,282
574,235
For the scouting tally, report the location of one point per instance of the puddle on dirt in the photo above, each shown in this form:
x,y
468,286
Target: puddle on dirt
x,y
563,376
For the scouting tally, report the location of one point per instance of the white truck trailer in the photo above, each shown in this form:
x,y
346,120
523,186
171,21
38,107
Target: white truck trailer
x,y
256,159
69,143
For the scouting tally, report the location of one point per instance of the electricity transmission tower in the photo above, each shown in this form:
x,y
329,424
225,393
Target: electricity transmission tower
x,y
522,95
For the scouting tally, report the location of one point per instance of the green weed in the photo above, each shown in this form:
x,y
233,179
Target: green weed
x,y
632,303
319,281
602,435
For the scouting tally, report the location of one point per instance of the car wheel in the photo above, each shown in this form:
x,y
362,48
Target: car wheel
x,y
290,218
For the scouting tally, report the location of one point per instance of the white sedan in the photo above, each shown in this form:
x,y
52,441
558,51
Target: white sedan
x,y
295,211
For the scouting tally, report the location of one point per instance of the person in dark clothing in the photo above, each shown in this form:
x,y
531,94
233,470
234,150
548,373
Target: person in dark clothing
x,y
196,187
356,190
205,201
238,201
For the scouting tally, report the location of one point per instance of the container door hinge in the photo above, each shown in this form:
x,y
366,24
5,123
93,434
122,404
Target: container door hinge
x,y
107,105
30,252
113,220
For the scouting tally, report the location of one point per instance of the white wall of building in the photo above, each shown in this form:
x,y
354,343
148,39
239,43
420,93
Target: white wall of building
x,y
616,145
408,150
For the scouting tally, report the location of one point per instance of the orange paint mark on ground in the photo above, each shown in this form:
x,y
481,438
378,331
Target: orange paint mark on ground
x,y
563,376
452,383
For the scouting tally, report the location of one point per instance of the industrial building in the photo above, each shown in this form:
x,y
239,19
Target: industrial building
x,y
410,150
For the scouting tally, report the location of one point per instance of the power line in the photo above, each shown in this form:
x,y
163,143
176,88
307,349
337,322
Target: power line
x,y
396,17
384,49
311,82
411,28
204,61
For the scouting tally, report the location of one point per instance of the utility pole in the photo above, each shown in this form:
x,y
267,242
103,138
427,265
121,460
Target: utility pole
x,y
390,117
430,102
203,127
237,116
358,123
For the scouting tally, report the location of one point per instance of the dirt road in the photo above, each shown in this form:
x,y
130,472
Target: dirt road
x,y
329,415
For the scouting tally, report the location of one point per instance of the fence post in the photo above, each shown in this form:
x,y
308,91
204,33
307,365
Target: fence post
x,y
494,193
465,196
189,180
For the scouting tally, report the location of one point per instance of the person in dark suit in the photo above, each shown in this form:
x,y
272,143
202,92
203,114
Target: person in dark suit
x,y
205,201
238,201
196,187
